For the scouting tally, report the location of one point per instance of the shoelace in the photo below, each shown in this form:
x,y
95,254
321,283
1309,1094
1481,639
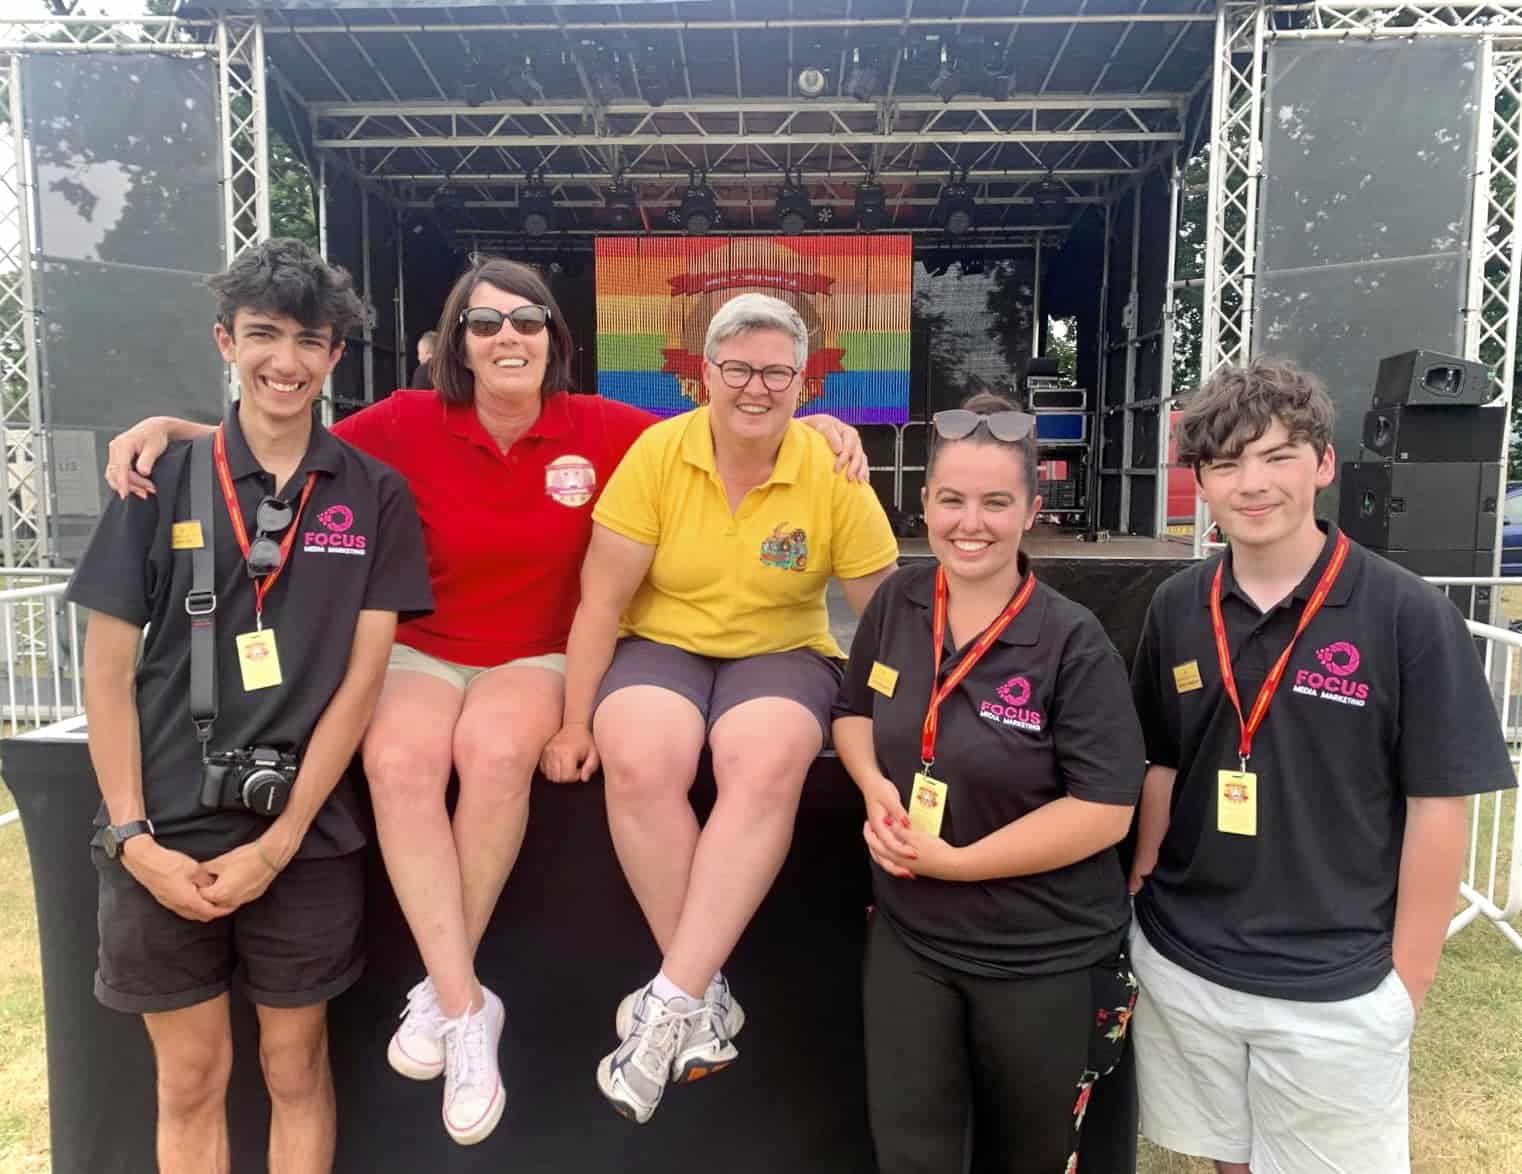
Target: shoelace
x,y
422,1002
468,1034
658,1043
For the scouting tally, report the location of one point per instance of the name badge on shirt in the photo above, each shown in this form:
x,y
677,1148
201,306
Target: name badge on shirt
x,y
927,804
883,679
1237,802
186,536
1186,676
259,660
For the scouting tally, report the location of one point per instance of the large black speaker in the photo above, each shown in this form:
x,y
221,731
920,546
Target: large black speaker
x,y
1431,378
1407,433
1399,505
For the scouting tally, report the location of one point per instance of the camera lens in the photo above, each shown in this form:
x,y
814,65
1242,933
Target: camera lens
x,y
264,791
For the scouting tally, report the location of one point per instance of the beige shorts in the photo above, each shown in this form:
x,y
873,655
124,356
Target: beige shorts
x,y
1287,1087
405,658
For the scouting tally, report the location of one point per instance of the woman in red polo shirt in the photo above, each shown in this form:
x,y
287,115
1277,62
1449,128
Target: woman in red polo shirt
x,y
505,468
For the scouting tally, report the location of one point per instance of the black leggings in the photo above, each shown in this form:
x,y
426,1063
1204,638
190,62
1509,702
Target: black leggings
x,y
970,1073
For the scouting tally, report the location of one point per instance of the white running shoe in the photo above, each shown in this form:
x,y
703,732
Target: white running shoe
x,y
634,1075
417,1047
718,996
473,1093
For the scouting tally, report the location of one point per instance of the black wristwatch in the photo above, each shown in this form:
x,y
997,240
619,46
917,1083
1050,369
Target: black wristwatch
x,y
114,836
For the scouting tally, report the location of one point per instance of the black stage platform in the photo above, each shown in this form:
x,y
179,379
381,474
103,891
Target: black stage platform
x,y
567,941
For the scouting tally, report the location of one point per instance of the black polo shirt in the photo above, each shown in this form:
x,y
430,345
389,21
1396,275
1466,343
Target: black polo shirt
x,y
1384,698
1045,713
359,547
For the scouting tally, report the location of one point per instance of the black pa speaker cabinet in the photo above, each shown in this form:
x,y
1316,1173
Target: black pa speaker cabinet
x,y
1428,378
1444,564
1070,398
1407,433
1399,505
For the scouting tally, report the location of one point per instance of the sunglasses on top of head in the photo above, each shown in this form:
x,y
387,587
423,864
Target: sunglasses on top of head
x,y
960,423
485,322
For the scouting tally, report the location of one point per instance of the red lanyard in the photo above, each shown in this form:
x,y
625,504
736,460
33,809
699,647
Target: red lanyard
x,y
974,654
1249,726
235,514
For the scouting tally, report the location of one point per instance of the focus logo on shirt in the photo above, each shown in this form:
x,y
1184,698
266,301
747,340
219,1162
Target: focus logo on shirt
x,y
1339,662
1013,707
334,537
571,480
785,549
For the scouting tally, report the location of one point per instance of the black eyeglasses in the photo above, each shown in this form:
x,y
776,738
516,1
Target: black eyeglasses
x,y
960,423
485,322
271,517
737,373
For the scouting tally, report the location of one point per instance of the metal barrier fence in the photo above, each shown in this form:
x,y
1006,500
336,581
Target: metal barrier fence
x,y
1492,882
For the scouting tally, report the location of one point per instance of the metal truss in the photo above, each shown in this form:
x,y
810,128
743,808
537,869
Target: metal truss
x,y
1494,340
245,139
76,34
1338,18
23,516
1236,162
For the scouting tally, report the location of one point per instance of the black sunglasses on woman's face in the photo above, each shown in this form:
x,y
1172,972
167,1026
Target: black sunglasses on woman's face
x,y
485,322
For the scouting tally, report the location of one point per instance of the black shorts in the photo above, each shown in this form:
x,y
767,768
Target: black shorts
x,y
299,944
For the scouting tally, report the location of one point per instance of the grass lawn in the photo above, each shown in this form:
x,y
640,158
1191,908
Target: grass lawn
x,y
1466,1080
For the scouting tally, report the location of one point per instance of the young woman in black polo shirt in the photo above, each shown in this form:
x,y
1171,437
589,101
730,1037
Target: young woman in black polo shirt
x,y
996,987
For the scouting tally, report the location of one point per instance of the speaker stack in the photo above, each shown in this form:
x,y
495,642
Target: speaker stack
x,y
1426,492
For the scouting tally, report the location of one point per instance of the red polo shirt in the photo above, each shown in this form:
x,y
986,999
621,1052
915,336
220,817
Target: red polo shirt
x,y
505,531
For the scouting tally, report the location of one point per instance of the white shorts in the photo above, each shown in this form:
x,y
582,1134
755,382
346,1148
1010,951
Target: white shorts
x,y
1288,1087
405,658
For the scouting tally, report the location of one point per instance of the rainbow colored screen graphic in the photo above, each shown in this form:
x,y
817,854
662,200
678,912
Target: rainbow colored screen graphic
x,y
655,297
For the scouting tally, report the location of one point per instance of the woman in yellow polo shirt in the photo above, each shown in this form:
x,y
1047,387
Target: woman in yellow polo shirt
x,y
711,549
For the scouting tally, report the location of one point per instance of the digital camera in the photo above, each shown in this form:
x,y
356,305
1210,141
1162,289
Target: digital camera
x,y
258,779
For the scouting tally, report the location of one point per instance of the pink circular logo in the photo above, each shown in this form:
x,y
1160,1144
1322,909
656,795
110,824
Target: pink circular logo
x,y
337,518
1340,658
1016,692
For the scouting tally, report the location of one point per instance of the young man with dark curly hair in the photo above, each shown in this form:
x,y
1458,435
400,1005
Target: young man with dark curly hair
x,y
1315,718
229,844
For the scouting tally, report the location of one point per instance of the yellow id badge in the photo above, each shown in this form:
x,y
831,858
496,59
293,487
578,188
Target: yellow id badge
x,y
883,679
186,536
927,804
1186,676
1237,802
259,659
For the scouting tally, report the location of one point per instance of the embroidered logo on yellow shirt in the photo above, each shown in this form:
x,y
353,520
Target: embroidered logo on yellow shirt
x,y
785,549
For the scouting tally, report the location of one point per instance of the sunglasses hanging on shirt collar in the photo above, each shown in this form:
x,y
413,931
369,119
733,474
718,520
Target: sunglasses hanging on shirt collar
x,y
486,322
271,518
960,423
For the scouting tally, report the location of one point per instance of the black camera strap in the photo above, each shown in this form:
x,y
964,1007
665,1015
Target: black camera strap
x,y
201,603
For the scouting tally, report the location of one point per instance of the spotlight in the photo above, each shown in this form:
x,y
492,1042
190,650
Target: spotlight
x,y
655,77
861,81
476,86
947,83
604,72
871,206
536,207
523,85
700,207
795,211
996,79
622,205
1049,193
811,81
956,211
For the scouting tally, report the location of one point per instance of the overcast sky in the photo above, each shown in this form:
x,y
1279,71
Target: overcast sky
x,y
85,8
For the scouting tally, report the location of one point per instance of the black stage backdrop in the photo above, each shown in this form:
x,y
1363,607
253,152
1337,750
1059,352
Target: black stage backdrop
x,y
566,943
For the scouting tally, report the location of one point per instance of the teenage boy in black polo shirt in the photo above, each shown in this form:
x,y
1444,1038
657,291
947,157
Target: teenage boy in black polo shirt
x,y
189,894
1296,866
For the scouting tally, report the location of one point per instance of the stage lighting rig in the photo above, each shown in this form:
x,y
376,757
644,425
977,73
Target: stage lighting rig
x,y
477,86
871,205
861,78
536,206
523,85
699,212
622,204
947,83
1049,193
996,77
956,211
655,76
795,211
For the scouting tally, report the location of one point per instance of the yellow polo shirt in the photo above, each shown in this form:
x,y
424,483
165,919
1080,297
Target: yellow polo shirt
x,y
751,582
